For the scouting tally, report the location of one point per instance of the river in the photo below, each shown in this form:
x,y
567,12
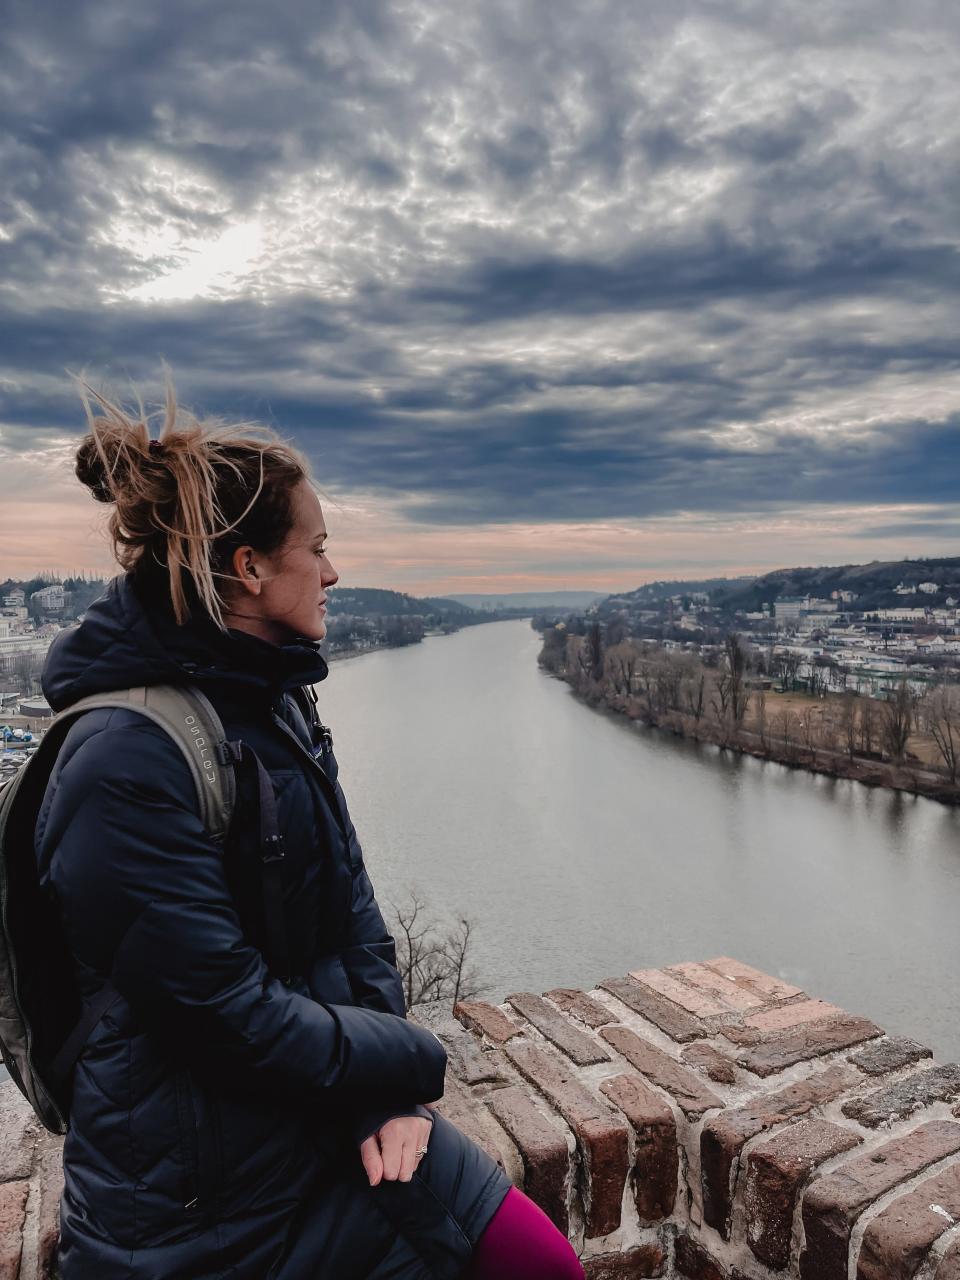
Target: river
x,y
582,845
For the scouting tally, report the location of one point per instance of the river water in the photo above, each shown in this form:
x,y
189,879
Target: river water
x,y
583,846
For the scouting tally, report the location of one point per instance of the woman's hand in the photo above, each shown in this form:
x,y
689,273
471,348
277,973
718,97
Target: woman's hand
x,y
391,1152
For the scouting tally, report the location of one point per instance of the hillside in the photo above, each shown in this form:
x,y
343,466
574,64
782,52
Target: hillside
x,y
367,602
873,583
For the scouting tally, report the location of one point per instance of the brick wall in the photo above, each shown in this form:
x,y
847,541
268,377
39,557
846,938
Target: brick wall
x,y
703,1121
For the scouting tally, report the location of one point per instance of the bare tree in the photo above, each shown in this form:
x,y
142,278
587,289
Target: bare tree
x,y
809,727
736,657
787,724
620,666
868,725
591,652
760,705
786,665
694,687
669,675
848,722
720,699
896,721
433,966
942,717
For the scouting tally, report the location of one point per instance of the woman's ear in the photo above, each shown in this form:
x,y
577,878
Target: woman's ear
x,y
246,570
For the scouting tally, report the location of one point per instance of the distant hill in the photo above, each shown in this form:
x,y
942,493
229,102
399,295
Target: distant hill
x,y
530,599
653,591
874,583
365,602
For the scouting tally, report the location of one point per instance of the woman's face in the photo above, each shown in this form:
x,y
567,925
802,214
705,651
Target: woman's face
x,y
283,594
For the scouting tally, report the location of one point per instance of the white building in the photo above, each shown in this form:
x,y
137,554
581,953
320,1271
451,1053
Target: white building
x,y
12,645
788,608
900,615
50,599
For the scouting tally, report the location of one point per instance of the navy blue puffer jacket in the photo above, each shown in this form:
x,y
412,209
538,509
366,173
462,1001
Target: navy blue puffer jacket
x,y
217,1111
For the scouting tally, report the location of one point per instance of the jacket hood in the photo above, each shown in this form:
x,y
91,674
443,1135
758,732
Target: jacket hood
x,y
129,637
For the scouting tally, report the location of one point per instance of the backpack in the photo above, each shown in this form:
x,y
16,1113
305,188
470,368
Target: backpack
x,y
43,1021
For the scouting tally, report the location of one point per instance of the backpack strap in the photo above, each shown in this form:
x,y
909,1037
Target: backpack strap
x,y
66,1059
191,720
271,858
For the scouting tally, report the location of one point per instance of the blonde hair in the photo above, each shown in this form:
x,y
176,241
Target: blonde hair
x,y
188,499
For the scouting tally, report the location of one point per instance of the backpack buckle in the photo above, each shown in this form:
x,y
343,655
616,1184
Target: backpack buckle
x,y
229,752
271,849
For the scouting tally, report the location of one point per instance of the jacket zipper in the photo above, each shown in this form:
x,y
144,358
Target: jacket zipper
x,y
189,1142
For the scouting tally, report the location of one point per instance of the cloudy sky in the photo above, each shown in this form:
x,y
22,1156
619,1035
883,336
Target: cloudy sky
x,y
553,293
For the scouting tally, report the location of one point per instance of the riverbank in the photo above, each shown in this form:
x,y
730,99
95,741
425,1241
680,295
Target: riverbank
x,y
807,738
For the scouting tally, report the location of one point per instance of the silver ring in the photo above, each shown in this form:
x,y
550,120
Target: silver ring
x,y
421,1151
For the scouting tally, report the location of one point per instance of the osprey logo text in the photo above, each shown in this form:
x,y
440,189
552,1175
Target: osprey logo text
x,y
200,743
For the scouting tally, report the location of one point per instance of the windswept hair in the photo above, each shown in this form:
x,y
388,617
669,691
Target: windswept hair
x,y
187,500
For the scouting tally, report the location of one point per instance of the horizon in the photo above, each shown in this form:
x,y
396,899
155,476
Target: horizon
x,y
580,305
55,575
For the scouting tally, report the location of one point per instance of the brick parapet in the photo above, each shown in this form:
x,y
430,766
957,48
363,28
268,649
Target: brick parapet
x,y
704,1120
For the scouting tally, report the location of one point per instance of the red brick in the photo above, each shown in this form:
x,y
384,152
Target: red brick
x,y
692,1260
460,1107
486,1018
663,1013
714,1064
700,1003
785,1016
689,1091
590,1011
811,1040
13,1203
576,1044
724,1135
631,1264
890,1054
730,993
542,1147
763,984
898,1239
469,1061
832,1204
903,1097
657,1159
949,1268
776,1170
601,1136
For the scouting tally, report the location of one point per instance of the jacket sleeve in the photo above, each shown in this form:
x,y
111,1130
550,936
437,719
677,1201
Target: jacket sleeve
x,y
369,953
370,960
143,892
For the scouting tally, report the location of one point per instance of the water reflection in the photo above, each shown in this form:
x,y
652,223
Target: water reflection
x,y
585,845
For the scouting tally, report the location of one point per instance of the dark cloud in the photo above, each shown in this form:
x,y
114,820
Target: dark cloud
x,y
946,528
510,263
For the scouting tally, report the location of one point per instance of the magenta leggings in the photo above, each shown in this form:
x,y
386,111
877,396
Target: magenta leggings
x,y
521,1243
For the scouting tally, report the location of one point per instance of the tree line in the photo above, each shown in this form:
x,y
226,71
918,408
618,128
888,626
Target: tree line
x,y
731,695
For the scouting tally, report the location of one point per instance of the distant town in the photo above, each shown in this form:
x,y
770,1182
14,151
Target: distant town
x,y
851,670
33,611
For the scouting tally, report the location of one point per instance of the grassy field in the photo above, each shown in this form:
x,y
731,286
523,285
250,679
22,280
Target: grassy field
x,y
828,711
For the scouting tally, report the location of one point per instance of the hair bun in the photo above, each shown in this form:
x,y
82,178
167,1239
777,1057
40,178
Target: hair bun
x,y
91,471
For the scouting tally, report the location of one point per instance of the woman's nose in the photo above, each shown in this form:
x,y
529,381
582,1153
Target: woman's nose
x,y
329,576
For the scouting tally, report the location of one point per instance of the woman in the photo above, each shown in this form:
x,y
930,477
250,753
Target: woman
x,y
234,1114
